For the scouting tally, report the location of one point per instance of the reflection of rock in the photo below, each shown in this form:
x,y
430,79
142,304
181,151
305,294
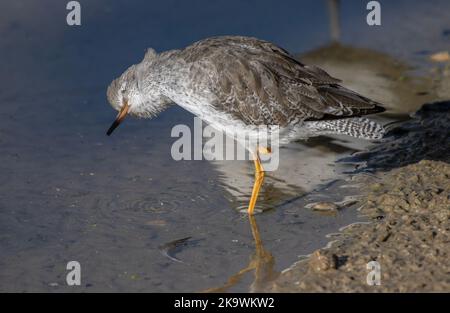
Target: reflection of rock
x,y
423,137
335,25
443,81
375,75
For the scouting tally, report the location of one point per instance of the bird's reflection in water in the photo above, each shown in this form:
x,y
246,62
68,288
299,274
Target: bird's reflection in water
x,y
262,263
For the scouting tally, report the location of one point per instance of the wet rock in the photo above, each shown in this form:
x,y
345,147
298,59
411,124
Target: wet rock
x,y
320,262
323,206
442,56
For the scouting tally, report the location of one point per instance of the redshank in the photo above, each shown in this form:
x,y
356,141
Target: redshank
x,y
236,84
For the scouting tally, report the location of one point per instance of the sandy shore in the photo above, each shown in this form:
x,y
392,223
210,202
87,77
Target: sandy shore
x,y
408,236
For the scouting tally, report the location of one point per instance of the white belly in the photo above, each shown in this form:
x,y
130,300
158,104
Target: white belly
x,y
200,106
225,122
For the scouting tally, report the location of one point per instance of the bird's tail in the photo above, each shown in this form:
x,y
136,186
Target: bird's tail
x,y
355,127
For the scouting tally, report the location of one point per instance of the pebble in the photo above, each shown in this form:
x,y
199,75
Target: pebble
x,y
320,262
323,206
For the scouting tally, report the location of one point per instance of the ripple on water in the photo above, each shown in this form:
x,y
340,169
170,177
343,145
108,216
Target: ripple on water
x,y
114,210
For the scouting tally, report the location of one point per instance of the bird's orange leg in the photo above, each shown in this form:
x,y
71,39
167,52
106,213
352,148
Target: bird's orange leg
x,y
259,178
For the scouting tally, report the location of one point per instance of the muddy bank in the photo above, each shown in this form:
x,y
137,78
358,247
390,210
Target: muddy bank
x,y
409,210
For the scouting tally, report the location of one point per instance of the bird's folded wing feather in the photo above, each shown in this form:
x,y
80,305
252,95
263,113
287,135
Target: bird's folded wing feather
x,y
260,83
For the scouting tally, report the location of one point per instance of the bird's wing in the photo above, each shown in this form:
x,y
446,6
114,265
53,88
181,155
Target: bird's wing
x,y
260,83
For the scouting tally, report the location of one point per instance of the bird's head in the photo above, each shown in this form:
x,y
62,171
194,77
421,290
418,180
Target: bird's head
x,y
136,92
123,95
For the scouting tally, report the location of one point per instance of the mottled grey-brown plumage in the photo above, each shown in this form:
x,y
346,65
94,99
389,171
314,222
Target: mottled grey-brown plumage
x,y
260,83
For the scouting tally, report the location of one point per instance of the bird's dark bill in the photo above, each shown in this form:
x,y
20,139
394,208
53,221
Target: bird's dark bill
x,y
122,114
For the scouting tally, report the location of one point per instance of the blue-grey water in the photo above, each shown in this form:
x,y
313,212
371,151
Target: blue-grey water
x,y
68,192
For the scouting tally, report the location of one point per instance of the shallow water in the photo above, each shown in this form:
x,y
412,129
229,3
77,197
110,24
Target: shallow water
x,y
68,192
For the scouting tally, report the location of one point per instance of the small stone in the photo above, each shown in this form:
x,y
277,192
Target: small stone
x,y
319,262
323,206
156,223
442,56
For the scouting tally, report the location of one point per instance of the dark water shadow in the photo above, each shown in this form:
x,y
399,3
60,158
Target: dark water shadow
x,y
425,136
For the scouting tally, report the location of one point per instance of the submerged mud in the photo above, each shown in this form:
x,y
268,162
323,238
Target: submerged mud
x,y
408,213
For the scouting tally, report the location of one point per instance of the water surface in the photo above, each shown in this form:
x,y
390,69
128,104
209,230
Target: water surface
x,y
68,192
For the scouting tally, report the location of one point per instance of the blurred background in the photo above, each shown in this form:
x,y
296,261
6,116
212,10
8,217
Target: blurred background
x,y
68,192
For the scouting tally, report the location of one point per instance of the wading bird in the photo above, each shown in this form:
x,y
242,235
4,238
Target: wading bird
x,y
236,84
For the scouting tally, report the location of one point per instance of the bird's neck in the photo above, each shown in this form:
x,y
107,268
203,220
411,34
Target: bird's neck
x,y
162,75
